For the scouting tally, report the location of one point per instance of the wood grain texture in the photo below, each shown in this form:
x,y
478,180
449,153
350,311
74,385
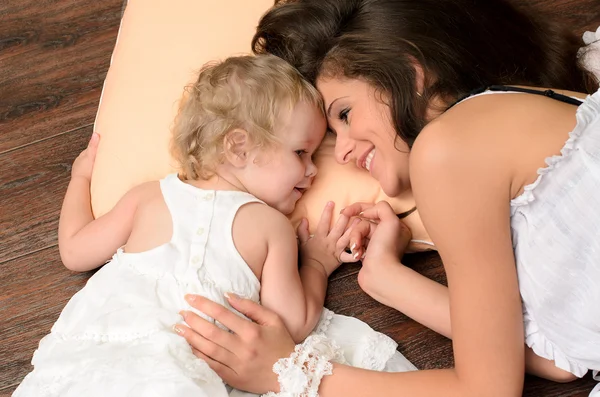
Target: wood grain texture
x,y
35,288
33,182
54,56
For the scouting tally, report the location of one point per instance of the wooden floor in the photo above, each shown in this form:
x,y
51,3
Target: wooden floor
x,y
54,55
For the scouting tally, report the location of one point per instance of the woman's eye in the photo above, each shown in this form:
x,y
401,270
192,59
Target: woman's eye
x,y
343,116
300,152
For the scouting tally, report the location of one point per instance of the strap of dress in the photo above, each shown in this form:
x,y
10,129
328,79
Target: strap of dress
x,y
506,88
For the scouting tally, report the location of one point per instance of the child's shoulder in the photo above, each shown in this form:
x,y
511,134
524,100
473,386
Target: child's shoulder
x,y
256,227
262,218
140,193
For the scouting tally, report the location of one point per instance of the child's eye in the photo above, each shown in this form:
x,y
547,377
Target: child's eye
x,y
343,115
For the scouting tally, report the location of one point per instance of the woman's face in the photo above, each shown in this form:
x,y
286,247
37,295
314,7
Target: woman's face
x,y
365,135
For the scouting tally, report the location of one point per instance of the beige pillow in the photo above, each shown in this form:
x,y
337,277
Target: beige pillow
x,y
160,47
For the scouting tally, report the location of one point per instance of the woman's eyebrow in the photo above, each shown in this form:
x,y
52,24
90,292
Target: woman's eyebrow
x,y
331,104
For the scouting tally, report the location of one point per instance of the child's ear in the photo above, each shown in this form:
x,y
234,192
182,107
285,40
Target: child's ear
x,y
237,146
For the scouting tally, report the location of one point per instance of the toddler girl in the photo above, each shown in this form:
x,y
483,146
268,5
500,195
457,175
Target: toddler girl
x,y
243,140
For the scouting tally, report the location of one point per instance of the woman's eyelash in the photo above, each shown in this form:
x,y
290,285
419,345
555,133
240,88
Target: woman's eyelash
x,y
343,115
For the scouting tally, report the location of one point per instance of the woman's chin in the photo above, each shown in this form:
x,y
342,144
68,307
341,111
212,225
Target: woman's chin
x,y
391,189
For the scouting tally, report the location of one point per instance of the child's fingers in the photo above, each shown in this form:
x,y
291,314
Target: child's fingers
x,y
340,227
325,221
344,239
358,233
92,146
302,231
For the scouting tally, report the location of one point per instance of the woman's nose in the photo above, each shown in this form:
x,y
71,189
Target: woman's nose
x,y
343,149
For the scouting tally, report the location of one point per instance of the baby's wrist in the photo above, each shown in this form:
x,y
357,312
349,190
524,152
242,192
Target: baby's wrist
x,y
317,265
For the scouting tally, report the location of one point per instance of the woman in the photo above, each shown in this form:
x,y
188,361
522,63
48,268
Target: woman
x,y
506,183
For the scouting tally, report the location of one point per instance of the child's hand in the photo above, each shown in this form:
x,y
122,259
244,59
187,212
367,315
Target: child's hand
x,y
326,247
84,163
387,238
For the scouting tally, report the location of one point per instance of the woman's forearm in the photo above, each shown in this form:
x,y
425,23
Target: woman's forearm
x,y
349,382
420,298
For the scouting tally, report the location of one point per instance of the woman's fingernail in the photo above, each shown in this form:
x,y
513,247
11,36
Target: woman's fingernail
x,y
190,298
178,329
353,247
183,313
355,256
231,296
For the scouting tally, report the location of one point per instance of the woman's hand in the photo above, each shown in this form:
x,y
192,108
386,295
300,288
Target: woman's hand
x,y
244,357
382,237
84,163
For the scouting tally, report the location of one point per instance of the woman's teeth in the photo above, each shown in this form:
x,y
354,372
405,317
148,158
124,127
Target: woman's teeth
x,y
369,159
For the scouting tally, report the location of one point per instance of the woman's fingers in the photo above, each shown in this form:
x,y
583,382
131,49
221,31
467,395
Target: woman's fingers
x,y
356,209
214,350
221,369
381,211
220,313
208,331
253,311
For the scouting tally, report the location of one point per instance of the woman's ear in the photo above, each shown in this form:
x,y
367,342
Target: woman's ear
x,y
419,79
236,147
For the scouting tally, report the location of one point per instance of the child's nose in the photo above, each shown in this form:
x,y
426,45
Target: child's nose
x,y
311,170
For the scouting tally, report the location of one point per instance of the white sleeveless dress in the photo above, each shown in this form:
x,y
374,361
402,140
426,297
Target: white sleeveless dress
x,y
555,227
115,338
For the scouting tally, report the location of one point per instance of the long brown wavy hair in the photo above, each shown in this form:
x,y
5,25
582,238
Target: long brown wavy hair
x,y
461,45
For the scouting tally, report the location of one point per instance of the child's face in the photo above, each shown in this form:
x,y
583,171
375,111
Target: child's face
x,y
279,176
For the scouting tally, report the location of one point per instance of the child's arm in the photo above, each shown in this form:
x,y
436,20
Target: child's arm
x,y
85,243
298,296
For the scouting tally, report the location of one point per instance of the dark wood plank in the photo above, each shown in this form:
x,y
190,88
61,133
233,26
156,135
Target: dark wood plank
x,y
32,184
35,288
54,57
536,387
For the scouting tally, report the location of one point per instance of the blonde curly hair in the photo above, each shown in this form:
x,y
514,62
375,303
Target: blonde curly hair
x,y
245,92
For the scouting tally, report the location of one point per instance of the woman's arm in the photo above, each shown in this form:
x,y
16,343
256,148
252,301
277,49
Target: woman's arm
x,y
463,200
461,177
415,295
482,343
